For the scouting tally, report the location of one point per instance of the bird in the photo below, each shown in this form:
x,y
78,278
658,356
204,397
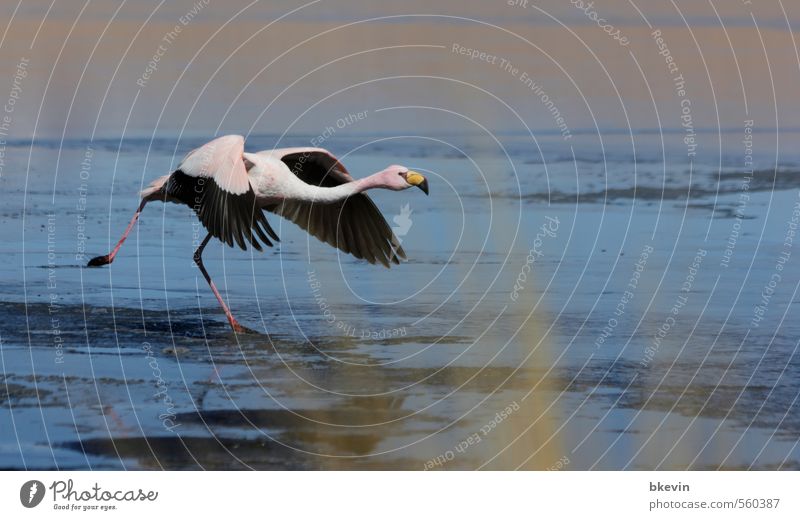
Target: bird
x,y
230,191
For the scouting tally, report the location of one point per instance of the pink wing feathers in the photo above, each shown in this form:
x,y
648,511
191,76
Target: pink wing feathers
x,y
220,159
213,181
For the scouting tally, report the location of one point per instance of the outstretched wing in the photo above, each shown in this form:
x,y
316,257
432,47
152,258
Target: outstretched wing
x,y
213,181
354,225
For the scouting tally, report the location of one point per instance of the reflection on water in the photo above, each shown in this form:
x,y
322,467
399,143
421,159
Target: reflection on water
x,y
481,352
278,403
268,403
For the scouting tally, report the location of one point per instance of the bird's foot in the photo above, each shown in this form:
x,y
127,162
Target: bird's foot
x,y
99,261
240,329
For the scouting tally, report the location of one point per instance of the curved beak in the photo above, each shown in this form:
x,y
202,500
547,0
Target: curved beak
x,y
418,180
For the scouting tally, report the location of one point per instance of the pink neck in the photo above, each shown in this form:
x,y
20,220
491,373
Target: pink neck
x,y
341,192
376,180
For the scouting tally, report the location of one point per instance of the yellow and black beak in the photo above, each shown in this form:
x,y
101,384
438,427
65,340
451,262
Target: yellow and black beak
x,y
417,179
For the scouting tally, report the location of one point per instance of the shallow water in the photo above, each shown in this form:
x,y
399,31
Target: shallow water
x,y
437,363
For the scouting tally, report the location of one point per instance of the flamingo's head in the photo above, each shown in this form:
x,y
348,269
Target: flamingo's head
x,y
396,177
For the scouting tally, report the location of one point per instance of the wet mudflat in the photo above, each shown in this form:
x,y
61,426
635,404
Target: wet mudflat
x,y
630,342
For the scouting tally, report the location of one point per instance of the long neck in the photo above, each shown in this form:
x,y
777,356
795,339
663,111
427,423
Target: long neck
x,y
336,193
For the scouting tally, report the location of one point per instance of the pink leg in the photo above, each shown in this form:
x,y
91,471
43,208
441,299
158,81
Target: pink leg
x,y
198,259
107,259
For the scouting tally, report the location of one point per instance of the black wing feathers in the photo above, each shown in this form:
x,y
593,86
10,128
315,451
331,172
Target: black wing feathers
x,y
227,216
354,225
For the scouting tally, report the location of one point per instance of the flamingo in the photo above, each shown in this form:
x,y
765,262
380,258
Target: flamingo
x,y
229,190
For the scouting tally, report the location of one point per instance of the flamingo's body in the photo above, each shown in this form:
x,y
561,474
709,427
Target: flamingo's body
x,y
229,189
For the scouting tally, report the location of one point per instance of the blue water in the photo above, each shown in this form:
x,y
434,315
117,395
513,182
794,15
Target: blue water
x,y
356,366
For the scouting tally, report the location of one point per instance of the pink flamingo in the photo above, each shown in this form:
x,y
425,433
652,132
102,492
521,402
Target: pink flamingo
x,y
228,189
